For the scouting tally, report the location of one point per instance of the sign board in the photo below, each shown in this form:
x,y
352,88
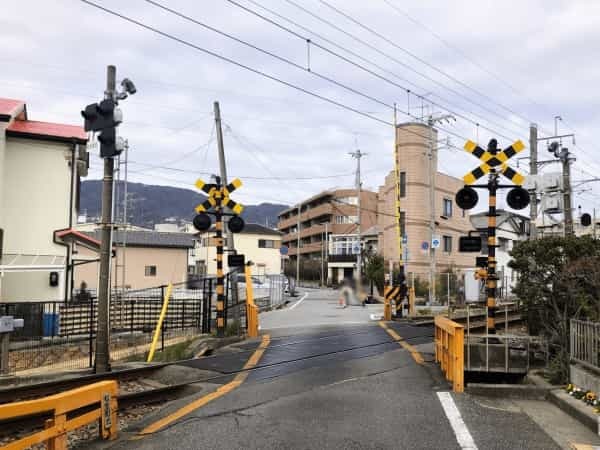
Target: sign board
x,y
283,250
435,242
481,261
469,244
424,246
355,248
236,260
405,239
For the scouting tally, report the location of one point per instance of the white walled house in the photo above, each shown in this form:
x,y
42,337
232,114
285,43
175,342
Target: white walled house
x,y
257,243
40,167
510,228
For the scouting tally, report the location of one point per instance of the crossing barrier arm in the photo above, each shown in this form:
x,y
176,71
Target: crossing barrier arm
x,y
449,350
103,393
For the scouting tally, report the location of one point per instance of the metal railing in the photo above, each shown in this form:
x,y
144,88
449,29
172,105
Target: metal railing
x,y
449,350
102,396
585,343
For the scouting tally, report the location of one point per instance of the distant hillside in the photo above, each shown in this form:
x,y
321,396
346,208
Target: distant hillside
x,y
150,204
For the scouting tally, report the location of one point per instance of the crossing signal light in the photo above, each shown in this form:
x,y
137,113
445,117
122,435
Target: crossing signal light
x,y
586,220
480,274
517,198
235,224
110,144
467,198
202,222
100,116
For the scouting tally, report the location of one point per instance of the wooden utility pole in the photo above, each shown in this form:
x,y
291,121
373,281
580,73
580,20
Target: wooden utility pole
x,y
102,362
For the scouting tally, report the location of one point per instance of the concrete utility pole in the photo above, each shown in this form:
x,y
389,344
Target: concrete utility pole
x,y
565,159
298,248
224,182
102,362
533,164
358,154
432,171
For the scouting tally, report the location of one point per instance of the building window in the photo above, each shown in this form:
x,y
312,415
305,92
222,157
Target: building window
x,y
503,244
447,244
447,207
150,271
402,184
266,243
402,223
342,245
346,219
348,200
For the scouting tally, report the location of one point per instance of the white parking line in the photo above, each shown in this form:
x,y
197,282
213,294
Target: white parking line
x,y
299,301
464,438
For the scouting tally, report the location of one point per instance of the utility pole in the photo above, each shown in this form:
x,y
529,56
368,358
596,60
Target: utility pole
x,y
229,235
565,159
298,248
102,362
431,121
358,154
533,165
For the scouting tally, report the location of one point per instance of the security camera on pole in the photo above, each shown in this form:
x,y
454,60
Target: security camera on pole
x,y
104,118
494,164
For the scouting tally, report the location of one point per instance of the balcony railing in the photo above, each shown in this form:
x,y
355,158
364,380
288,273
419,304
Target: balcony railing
x,y
342,258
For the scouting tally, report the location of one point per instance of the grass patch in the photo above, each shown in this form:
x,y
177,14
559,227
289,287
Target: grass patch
x,y
424,311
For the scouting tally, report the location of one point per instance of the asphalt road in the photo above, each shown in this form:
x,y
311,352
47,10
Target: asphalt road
x,y
332,378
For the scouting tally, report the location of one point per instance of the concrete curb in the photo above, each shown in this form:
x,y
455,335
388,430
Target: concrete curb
x,y
517,391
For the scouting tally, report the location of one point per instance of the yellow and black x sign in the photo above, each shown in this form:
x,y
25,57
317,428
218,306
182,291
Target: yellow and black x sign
x,y
490,161
220,196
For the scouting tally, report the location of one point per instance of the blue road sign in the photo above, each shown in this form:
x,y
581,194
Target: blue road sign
x,y
283,250
424,245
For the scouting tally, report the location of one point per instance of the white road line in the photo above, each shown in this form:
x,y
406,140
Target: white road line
x,y
464,438
299,301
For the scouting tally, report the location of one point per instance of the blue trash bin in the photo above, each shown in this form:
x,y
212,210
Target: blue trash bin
x,y
50,324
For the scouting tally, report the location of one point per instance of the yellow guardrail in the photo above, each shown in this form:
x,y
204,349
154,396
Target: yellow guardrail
x,y
251,308
449,350
103,393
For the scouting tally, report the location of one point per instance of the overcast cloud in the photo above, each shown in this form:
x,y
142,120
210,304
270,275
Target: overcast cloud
x,y
54,53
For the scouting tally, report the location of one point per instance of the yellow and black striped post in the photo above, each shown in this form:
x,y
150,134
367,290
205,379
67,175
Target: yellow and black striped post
x,y
220,277
492,278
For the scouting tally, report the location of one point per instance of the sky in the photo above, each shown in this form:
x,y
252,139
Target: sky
x,y
497,66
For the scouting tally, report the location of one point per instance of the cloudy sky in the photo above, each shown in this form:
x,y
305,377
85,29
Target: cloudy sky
x,y
499,64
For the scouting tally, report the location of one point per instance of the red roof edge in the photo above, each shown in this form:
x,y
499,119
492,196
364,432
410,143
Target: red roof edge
x,y
77,234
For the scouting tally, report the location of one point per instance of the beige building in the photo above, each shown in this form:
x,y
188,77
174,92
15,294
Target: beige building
x,y
40,167
151,258
257,243
415,182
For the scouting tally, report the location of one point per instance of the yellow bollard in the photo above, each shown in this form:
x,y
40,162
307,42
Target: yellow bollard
x,y
251,308
163,313
387,305
411,301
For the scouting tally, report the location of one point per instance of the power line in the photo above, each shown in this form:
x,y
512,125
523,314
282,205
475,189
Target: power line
x,y
257,71
421,60
396,60
363,68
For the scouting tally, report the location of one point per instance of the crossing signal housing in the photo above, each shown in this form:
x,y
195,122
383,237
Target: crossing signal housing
x,y
202,222
517,198
235,224
467,198
586,220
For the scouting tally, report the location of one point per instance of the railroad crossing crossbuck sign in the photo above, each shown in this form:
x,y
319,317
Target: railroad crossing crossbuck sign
x,y
218,199
494,164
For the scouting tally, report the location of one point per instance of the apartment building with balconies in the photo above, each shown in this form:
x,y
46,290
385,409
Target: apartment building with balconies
x,y
331,212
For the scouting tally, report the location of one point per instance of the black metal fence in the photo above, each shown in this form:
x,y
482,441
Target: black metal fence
x,y
62,335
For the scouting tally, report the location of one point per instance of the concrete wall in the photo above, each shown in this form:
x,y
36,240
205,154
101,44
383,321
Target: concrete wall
x,y
584,378
266,260
171,267
413,147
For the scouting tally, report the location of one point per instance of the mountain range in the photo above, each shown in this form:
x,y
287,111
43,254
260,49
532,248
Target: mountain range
x,y
150,204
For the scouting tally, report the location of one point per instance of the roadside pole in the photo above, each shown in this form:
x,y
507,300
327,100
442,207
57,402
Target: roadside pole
x,y
229,235
102,362
533,165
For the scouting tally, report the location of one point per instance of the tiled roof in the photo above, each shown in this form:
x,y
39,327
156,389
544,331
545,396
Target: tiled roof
x,y
255,228
77,234
47,130
9,108
149,239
